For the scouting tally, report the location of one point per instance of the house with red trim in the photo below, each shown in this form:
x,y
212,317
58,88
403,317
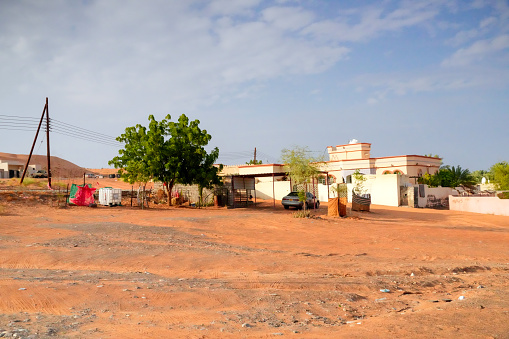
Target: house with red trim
x,y
344,160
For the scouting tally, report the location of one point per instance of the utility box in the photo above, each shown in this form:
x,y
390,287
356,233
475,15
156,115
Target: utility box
x,y
110,196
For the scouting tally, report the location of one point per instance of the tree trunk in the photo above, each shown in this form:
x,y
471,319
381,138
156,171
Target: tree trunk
x,y
170,187
200,190
165,185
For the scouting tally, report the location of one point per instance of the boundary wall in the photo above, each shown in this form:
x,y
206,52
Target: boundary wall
x,y
484,205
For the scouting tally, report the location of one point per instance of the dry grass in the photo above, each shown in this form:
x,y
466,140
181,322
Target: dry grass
x,y
302,214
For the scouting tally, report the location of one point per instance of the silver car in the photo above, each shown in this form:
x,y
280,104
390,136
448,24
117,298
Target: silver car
x,y
292,199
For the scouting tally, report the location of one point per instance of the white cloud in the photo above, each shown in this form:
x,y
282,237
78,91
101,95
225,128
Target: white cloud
x,y
477,51
232,7
381,86
176,54
372,21
288,18
487,22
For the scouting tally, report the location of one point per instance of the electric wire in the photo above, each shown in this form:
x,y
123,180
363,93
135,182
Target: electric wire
x,y
83,130
18,123
81,135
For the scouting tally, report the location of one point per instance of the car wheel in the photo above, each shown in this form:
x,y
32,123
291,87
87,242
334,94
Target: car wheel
x,y
286,207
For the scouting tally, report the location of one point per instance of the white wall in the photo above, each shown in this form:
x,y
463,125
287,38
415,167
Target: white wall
x,y
485,205
385,190
264,189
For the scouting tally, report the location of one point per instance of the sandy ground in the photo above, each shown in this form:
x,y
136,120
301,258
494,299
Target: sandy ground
x,y
122,272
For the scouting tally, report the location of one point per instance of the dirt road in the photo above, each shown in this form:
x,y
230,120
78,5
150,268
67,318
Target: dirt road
x,y
122,272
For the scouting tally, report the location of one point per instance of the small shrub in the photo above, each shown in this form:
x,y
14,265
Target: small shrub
x,y
57,185
302,214
503,195
29,181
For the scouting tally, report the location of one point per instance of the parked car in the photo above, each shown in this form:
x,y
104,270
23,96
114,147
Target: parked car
x,y
40,174
292,200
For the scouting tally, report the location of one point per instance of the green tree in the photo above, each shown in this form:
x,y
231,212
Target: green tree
x,y
430,179
169,152
254,162
360,179
301,167
455,176
479,174
206,174
448,176
500,173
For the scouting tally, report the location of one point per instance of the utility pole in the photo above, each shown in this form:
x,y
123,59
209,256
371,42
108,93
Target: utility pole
x,y
35,139
254,158
47,140
45,110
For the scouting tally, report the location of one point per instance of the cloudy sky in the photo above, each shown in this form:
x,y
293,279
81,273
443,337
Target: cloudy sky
x,y
409,77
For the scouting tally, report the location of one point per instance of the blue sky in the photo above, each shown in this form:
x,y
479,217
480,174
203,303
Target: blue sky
x,y
409,77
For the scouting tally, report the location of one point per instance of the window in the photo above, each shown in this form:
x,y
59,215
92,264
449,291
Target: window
x,y
321,179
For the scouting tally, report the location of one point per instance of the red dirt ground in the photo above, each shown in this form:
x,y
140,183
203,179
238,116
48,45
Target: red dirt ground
x,y
122,272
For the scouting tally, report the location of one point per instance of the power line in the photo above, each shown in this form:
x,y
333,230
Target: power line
x,y
83,130
18,123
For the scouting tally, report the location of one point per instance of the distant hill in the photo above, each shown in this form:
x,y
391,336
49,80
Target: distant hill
x,y
59,167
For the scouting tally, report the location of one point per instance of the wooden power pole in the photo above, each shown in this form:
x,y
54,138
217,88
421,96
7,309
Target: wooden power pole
x,y
44,111
47,144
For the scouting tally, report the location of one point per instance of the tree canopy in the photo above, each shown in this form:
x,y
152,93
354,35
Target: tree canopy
x,y
301,166
169,152
448,176
500,174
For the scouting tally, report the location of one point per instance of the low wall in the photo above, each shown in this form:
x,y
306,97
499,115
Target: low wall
x,y
485,205
441,192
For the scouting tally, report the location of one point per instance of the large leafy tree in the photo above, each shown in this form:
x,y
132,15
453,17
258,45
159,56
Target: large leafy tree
x,y
301,167
500,173
206,174
169,152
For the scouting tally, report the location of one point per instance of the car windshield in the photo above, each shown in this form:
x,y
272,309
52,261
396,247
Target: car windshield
x,y
293,194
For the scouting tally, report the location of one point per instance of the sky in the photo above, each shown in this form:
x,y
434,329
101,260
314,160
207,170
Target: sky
x,y
409,77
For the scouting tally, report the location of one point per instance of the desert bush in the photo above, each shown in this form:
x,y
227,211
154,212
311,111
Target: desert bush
x,y
302,214
58,185
503,195
29,181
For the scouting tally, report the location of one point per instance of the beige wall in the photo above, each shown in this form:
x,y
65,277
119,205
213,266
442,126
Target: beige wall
x,y
264,189
350,151
441,192
261,169
485,205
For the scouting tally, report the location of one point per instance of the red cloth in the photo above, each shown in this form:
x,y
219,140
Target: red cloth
x,y
84,196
